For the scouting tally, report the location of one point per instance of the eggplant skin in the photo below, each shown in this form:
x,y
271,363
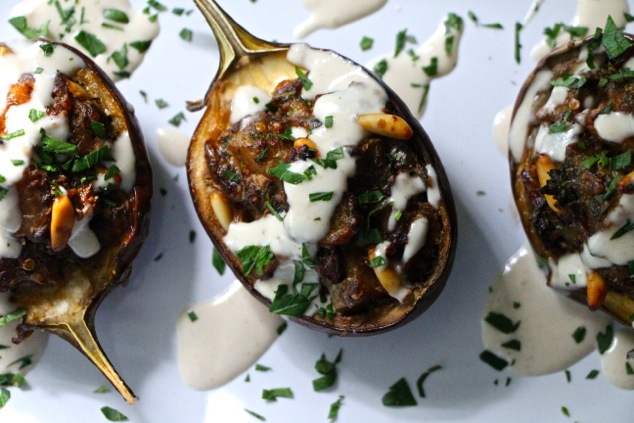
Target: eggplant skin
x,y
344,272
584,187
121,229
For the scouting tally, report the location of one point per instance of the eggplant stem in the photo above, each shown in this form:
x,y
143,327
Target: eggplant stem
x,y
234,42
82,337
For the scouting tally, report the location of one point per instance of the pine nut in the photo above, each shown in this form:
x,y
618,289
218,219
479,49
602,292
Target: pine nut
x,y
391,126
62,222
597,290
222,210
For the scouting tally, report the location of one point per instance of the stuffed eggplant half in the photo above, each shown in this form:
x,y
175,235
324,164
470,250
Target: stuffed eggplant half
x,y
75,186
322,193
571,144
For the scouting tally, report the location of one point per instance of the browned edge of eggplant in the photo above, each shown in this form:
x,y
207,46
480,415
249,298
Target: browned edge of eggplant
x,y
425,295
618,305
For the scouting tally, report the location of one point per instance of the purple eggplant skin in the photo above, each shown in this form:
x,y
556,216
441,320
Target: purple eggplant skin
x,y
376,321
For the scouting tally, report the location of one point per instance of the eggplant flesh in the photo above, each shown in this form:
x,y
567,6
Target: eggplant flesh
x,y
232,164
571,169
58,284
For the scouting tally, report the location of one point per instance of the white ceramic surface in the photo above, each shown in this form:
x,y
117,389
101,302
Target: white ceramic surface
x,y
137,323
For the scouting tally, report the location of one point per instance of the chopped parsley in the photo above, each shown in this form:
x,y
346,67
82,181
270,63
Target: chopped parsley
x,y
35,115
333,413
502,323
380,68
17,162
592,374
254,257
5,396
329,121
476,21
11,317
371,197
113,415
91,159
562,125
423,377
20,23
103,389
141,46
366,43
186,34
569,81
291,304
307,83
401,39
518,44
432,68
579,334
218,262
328,370
273,211
177,119
331,158
377,261
91,43
604,339
399,395
513,344
498,363
256,415
12,135
627,227
320,196
261,368
613,40
281,171
48,49
274,394
116,15
160,103
192,316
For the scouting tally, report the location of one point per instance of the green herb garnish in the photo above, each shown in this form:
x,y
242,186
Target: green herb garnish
x,y
579,334
399,395
328,370
11,317
498,363
627,227
141,46
604,339
274,394
613,40
255,257
307,83
177,119
380,68
293,304
366,43
12,135
218,262
281,171
113,415
423,377
116,15
35,115
256,415
91,43
502,323
320,196
186,34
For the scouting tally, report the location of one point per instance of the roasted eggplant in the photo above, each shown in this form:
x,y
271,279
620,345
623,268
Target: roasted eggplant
x,y
318,187
571,143
76,188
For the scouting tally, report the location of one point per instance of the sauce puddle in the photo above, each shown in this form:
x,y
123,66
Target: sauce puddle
x,y
437,57
221,338
334,13
22,357
172,145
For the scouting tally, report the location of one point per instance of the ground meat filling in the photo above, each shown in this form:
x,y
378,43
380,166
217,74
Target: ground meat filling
x,y
238,161
586,185
41,182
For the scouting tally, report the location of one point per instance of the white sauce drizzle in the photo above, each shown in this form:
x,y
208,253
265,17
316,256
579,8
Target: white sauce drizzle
x,y
615,126
404,74
173,145
89,17
32,347
554,145
123,154
334,13
416,237
248,100
547,320
614,361
405,187
501,128
591,14
230,333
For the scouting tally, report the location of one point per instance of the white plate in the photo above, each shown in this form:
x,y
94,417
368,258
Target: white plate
x,y
137,323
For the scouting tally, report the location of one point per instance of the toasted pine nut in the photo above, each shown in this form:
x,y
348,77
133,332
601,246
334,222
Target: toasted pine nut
x,y
4,50
304,141
597,290
626,184
387,125
543,165
62,222
387,276
222,210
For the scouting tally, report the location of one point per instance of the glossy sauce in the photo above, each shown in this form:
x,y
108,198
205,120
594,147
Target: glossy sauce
x,y
334,13
404,74
173,145
92,17
614,362
229,334
547,320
